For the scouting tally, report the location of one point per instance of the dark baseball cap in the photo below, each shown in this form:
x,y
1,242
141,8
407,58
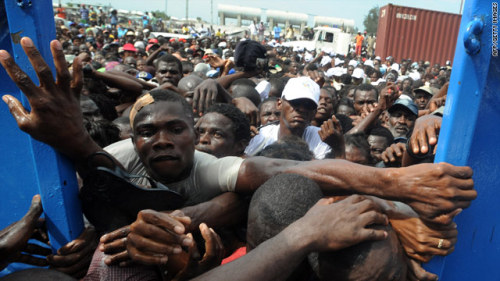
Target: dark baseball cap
x,y
404,103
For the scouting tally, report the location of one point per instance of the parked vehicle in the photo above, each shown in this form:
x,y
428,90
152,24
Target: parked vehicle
x,y
325,38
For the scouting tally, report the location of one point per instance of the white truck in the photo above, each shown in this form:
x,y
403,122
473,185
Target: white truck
x,y
325,38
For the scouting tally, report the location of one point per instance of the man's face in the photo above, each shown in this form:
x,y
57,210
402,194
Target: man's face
x,y
355,155
141,65
421,99
362,99
294,68
216,135
403,70
296,115
130,61
350,69
90,110
168,72
269,112
401,121
326,105
378,144
407,85
128,54
164,138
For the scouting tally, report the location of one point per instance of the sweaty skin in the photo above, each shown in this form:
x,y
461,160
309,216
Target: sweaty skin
x,y
437,192
216,135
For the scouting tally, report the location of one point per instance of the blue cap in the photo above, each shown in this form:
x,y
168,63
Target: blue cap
x,y
405,103
144,75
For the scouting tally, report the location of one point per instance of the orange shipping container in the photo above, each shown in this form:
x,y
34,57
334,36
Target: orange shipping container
x,y
418,34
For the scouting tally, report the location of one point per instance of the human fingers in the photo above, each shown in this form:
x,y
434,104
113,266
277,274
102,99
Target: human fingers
x,y
34,211
201,102
336,124
210,242
399,149
113,247
196,98
63,77
146,245
84,240
254,117
416,272
77,265
422,142
373,217
211,98
432,132
120,258
322,131
388,155
161,220
70,259
41,68
77,81
119,233
179,215
445,218
18,111
329,126
161,235
371,234
34,249
461,172
219,244
22,80
353,199
32,260
145,258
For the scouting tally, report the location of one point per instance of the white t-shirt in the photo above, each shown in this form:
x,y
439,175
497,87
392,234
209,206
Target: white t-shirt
x,y
269,135
210,176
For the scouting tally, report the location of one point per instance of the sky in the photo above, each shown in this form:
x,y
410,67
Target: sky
x,y
352,9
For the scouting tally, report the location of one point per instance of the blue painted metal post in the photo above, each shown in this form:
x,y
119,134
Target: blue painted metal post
x,y
470,135
28,166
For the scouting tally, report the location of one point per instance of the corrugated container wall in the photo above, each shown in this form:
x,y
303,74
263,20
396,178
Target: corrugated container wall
x,y
417,34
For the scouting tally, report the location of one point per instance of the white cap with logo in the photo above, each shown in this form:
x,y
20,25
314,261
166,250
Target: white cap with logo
x,y
301,88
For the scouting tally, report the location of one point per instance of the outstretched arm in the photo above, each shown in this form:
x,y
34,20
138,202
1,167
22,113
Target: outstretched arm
x,y
55,117
327,226
437,192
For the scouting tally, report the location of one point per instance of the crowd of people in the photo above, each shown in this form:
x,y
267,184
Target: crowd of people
x,y
214,159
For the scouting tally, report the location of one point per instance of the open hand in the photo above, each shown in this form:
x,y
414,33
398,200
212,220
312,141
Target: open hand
x,y
55,117
14,239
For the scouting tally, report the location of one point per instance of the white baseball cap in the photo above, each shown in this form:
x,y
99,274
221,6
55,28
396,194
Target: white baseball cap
x,y
358,73
301,88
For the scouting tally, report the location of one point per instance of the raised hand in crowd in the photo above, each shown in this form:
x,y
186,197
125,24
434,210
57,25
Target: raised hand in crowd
x,y
208,93
331,134
14,246
393,155
438,99
423,141
55,116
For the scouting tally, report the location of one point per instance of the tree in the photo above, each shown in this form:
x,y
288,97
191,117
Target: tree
x,y
160,14
371,20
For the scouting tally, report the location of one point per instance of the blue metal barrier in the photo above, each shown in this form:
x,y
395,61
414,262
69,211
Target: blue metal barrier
x,y
28,166
470,135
